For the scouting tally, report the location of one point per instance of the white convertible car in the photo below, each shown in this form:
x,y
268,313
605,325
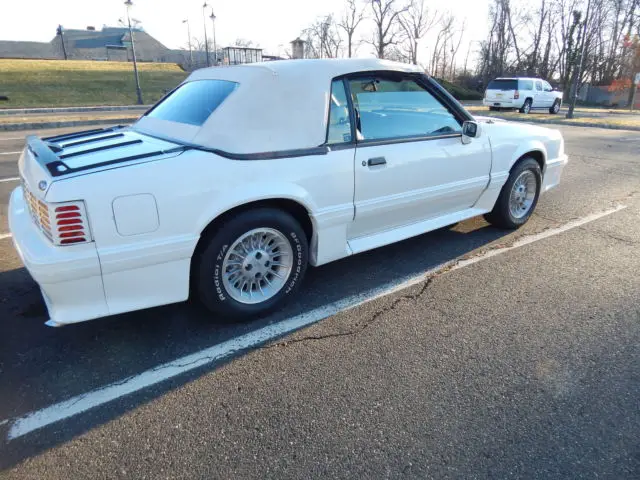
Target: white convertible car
x,y
242,176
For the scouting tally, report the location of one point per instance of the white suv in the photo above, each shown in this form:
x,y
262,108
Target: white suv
x,y
524,94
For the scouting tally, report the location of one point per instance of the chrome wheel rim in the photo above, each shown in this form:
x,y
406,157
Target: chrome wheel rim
x,y
527,107
257,265
523,193
556,107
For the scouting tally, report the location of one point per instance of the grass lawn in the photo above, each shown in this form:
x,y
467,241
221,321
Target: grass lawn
x,y
60,83
69,117
613,121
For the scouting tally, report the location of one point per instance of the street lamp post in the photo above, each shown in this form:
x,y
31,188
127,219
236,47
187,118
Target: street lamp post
x,y
60,31
189,34
129,4
215,48
206,41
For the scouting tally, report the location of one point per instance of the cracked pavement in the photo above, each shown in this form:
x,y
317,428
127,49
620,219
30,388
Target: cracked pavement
x,y
522,365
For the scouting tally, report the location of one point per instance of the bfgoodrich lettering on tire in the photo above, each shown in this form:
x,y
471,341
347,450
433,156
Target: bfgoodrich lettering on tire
x,y
252,263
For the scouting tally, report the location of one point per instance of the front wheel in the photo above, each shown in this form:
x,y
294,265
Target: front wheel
x,y
519,196
252,264
555,108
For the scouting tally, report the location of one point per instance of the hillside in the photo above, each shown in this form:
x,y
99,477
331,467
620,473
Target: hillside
x,y
43,83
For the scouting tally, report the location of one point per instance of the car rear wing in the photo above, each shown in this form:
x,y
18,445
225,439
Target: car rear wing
x,y
51,155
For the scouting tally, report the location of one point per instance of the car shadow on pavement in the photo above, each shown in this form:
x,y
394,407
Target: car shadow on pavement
x,y
41,366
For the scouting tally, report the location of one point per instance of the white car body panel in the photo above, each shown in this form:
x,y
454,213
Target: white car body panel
x,y
147,214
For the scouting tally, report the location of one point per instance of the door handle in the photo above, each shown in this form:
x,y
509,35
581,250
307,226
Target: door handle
x,y
372,162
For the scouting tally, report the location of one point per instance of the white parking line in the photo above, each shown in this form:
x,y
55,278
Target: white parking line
x,y
4,235
12,179
8,139
10,153
81,403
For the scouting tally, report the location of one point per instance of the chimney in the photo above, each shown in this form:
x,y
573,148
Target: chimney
x,y
297,48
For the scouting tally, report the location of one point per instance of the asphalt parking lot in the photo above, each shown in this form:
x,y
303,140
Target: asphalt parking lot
x,y
520,361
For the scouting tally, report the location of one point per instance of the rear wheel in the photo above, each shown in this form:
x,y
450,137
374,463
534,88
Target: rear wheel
x,y
519,196
252,264
526,107
555,108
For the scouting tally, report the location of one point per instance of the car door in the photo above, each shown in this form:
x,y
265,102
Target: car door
x,y
549,98
410,163
538,96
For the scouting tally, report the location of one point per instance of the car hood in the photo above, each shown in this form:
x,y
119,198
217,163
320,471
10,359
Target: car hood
x,y
505,128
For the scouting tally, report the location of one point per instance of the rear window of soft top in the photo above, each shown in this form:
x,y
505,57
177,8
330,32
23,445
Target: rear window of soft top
x,y
192,102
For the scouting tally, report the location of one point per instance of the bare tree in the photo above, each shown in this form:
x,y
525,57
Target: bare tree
x,y
454,50
243,42
351,18
439,55
416,22
322,39
385,16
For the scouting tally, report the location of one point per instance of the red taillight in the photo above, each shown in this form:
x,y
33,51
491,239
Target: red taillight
x,y
67,215
68,241
516,94
68,208
71,225
71,221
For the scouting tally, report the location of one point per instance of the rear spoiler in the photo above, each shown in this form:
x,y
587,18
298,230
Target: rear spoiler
x,y
50,153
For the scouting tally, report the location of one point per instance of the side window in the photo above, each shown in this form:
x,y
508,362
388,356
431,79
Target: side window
x,y
387,108
526,84
339,130
538,86
547,87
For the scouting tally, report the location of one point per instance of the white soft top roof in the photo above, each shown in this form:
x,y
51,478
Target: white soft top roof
x,y
279,105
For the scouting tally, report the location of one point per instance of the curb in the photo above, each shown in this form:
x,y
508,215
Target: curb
x,y
9,127
104,108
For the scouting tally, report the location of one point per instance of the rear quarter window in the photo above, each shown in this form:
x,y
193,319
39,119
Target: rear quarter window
x,y
193,102
526,84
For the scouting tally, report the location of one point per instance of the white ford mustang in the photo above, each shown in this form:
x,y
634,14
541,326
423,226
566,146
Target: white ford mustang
x,y
242,176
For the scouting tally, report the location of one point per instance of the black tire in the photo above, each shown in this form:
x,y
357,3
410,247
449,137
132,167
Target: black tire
x,y
526,106
555,108
494,109
208,274
501,215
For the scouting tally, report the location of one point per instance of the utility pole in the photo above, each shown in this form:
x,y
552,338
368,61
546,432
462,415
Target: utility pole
x,y
215,48
129,4
60,32
206,41
190,49
576,80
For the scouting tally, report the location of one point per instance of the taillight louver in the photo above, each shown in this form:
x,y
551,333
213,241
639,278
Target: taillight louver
x,y
71,224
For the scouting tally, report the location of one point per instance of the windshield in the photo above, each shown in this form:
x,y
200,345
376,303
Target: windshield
x,y
193,102
503,84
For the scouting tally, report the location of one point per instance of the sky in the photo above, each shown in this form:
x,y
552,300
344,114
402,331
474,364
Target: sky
x,y
270,23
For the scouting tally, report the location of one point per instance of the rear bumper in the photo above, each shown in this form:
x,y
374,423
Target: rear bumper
x,y
69,277
502,103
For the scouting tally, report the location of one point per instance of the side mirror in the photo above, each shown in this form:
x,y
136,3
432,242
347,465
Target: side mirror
x,y
470,129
